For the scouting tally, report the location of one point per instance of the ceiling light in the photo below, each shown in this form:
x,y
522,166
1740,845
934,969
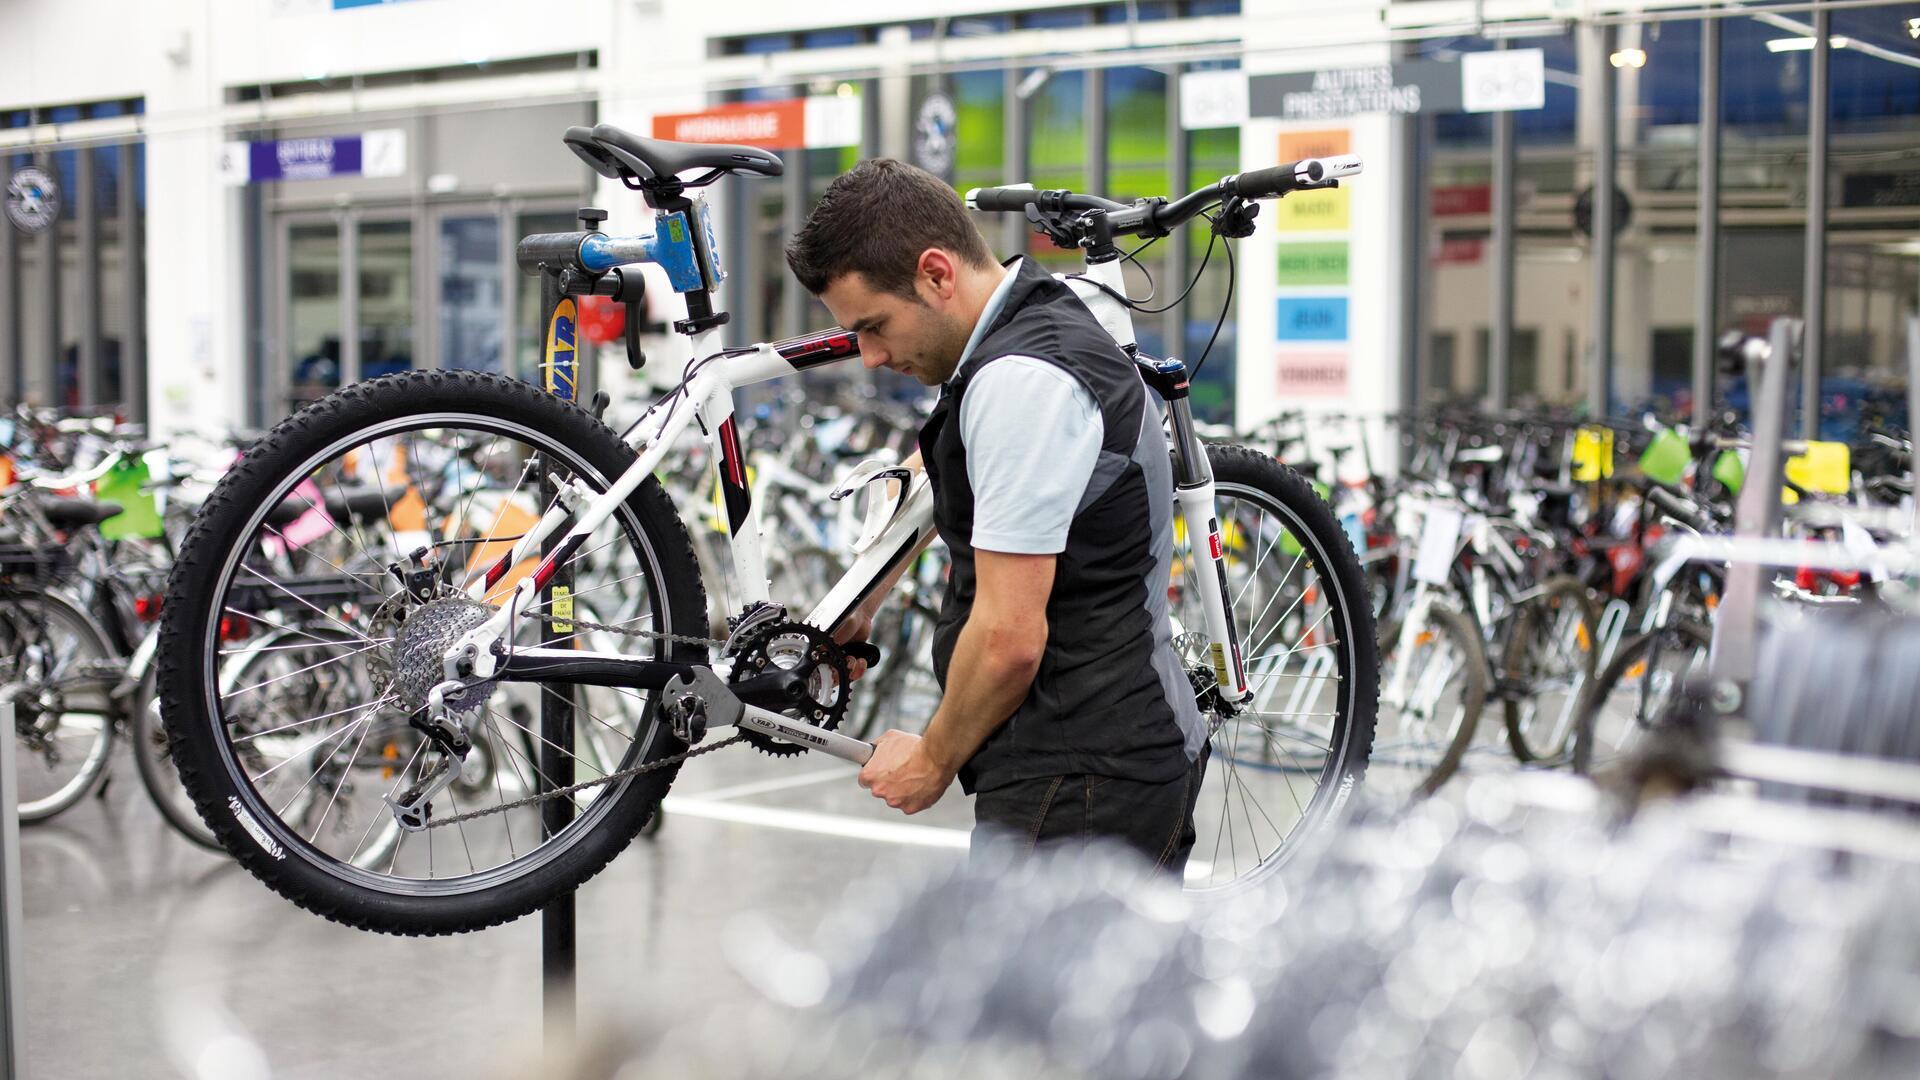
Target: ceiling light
x,y
1802,44
1913,28
1629,58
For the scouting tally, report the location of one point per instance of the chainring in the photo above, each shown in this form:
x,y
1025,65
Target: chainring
x,y
809,653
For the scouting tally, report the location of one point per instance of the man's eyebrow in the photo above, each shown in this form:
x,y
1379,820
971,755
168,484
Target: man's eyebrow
x,y
864,324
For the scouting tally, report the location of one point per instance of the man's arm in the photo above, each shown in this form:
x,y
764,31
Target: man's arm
x,y
993,666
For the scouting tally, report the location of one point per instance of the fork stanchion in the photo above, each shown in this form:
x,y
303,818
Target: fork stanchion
x,y
560,372
10,910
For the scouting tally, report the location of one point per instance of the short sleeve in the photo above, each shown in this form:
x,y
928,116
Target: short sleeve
x,y
1033,435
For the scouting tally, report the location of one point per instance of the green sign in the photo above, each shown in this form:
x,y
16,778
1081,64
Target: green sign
x,y
1313,264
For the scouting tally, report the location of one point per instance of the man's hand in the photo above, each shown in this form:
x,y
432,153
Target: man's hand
x,y
857,626
904,774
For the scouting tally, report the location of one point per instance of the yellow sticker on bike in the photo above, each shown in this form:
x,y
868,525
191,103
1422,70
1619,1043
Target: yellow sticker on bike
x,y
1219,655
562,610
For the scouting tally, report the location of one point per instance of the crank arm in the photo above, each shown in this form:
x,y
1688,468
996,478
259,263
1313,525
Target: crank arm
x,y
723,709
796,731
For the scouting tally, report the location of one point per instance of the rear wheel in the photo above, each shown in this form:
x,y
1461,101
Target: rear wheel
x,y
463,463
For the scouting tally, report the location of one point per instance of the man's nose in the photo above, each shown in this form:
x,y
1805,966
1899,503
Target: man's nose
x,y
872,356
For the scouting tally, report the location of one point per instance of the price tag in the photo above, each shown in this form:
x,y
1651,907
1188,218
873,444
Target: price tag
x,y
1439,543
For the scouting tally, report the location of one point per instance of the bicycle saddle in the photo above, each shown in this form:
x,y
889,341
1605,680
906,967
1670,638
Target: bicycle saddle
x,y
69,514
365,505
621,155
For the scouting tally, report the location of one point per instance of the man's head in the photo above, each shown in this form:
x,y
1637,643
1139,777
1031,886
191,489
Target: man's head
x,y
892,253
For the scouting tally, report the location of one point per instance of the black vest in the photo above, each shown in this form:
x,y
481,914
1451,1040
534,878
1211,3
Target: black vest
x,y
1100,703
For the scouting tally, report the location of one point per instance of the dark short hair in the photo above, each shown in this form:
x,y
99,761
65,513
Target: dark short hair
x,y
876,220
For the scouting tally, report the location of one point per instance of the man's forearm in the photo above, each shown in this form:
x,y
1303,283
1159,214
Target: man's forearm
x,y
991,672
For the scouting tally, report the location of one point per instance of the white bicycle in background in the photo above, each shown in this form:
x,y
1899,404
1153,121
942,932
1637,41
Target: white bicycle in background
x,y
581,589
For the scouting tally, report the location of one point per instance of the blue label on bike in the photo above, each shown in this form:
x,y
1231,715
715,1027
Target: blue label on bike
x,y
559,367
673,249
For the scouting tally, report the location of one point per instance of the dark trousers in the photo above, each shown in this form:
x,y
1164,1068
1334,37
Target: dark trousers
x,y
1155,819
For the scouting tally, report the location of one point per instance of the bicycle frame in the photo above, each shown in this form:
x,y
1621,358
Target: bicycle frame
x,y
706,400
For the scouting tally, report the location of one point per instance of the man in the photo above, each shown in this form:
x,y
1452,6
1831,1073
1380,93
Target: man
x,y
1065,710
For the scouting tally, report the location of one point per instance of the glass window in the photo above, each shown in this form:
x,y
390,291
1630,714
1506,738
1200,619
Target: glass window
x,y
1056,19
386,297
313,310
1136,153
471,293
1214,152
1197,8
827,39
1143,11
978,25
529,332
980,128
1057,145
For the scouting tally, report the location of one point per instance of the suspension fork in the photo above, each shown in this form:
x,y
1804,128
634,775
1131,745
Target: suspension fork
x,y
1193,490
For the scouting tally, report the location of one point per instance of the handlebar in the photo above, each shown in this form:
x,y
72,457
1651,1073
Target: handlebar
x,y
1157,218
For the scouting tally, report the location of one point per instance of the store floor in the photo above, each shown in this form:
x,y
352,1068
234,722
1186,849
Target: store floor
x,y
147,957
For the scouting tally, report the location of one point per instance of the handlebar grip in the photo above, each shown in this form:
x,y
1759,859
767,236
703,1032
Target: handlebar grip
x,y
1013,197
1305,173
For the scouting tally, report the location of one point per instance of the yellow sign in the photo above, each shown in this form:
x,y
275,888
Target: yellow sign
x,y
1825,469
562,610
1314,211
1592,454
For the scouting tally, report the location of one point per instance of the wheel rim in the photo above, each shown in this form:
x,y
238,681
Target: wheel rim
x,y
1647,680
61,751
1555,665
1413,742
481,499
1283,763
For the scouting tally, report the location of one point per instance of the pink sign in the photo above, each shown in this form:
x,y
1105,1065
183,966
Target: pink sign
x,y
1300,373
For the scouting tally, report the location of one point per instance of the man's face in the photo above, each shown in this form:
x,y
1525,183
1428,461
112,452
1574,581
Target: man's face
x,y
921,337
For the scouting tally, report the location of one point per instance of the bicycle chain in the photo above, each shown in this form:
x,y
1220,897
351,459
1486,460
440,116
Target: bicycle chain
x,y
617,775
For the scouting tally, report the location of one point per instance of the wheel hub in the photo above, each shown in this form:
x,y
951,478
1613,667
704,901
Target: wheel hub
x,y
416,653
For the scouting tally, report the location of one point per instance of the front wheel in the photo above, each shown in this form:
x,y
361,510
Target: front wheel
x,y
293,572
1290,756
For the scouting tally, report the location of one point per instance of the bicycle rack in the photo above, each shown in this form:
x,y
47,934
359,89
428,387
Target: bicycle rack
x,y
11,1030
1610,628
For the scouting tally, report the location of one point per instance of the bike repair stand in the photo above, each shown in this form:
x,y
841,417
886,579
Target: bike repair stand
x,y
10,909
561,372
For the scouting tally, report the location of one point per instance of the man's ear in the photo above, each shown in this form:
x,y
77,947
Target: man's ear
x,y
937,275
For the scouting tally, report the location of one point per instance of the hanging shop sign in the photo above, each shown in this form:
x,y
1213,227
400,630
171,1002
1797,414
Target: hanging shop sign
x,y
371,154
1499,81
934,132
33,200
1311,318
1310,373
1311,263
1314,211
794,124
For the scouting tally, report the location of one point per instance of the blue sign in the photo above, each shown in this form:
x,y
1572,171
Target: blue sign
x,y
304,159
373,154
1312,318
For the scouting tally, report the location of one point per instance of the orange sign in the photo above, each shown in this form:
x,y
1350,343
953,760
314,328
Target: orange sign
x,y
1295,145
770,125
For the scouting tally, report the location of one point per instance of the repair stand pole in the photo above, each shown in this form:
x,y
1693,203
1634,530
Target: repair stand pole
x,y
10,909
558,955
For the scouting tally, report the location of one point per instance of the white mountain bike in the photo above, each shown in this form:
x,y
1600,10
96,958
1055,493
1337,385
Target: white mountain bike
x,y
528,561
